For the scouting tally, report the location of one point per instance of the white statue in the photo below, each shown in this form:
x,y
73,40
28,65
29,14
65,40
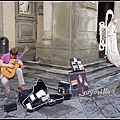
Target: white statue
x,y
113,53
24,6
110,43
111,32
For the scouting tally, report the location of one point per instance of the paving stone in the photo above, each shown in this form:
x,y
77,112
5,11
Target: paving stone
x,y
87,106
3,114
36,115
76,114
56,110
62,117
90,108
110,112
113,85
117,94
78,109
102,102
114,101
74,102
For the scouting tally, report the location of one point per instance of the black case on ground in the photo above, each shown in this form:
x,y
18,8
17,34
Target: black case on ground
x,y
64,89
10,106
23,94
31,99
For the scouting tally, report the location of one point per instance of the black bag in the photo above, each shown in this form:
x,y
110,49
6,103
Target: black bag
x,y
33,99
23,94
64,89
10,106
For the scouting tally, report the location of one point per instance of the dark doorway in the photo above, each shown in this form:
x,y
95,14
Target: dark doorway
x,y
102,9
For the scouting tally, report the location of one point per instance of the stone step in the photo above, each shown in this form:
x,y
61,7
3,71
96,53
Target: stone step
x,y
46,77
110,84
44,70
52,74
62,71
39,63
96,76
97,67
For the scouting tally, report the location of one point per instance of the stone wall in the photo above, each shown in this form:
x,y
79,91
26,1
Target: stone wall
x,y
73,34
85,30
1,20
117,16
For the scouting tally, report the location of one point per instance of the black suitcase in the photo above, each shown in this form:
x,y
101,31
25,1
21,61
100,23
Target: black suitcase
x,y
10,106
37,97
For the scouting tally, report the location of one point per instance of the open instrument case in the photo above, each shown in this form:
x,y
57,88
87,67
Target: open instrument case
x,y
36,97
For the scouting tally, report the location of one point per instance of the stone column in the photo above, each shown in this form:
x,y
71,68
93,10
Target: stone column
x,y
117,16
47,18
9,22
1,20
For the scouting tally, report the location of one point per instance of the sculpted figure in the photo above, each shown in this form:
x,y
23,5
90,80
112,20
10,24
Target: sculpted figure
x,y
112,49
23,6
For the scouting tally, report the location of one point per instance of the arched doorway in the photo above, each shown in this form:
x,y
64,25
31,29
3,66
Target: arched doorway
x,y
102,9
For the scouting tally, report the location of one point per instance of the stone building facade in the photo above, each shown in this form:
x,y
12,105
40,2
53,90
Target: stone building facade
x,y
56,31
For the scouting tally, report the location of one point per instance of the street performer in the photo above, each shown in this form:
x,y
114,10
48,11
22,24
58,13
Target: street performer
x,y
4,62
113,52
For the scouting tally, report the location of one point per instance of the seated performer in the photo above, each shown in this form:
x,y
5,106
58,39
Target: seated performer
x,y
4,62
6,65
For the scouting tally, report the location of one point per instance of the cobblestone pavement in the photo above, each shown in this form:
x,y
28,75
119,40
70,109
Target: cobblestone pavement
x,y
88,106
